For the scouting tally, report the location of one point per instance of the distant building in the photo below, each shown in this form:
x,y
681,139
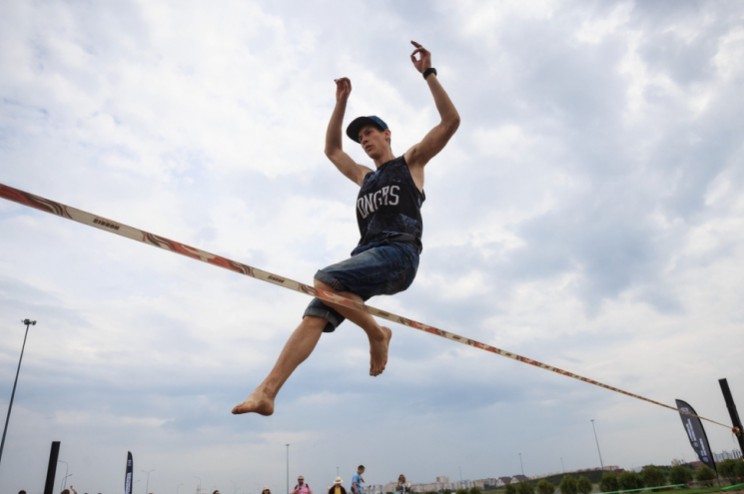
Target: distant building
x,y
375,489
727,455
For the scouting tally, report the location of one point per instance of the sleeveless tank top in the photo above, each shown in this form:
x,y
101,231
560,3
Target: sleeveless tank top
x,y
389,205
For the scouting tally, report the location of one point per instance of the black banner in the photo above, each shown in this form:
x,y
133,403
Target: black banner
x,y
128,474
735,420
696,433
52,469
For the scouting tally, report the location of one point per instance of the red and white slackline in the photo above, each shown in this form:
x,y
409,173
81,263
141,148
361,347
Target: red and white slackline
x,y
112,226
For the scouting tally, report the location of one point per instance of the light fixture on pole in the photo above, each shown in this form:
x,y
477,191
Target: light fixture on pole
x,y
28,323
147,484
601,464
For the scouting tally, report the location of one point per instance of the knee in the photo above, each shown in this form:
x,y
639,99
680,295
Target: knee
x,y
323,286
314,323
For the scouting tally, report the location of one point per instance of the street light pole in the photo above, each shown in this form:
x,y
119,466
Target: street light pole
x,y
28,323
287,467
601,463
67,467
147,484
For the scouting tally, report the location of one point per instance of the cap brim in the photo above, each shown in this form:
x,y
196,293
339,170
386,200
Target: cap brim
x,y
357,125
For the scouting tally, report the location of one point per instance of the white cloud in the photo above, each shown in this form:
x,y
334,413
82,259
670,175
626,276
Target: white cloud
x,y
587,214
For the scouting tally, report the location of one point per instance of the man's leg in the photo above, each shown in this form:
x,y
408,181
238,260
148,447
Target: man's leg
x,y
302,343
297,348
379,336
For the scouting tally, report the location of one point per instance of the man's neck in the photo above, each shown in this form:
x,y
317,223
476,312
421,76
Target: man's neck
x,y
382,160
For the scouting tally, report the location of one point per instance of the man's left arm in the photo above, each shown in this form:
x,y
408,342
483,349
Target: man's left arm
x,y
435,140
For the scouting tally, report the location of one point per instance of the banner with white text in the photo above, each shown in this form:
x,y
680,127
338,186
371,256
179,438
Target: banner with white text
x,y
696,433
128,474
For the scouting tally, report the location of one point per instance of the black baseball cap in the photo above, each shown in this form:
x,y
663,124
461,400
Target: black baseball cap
x,y
358,123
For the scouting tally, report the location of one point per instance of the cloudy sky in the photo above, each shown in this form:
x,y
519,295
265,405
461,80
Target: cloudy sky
x,y
588,213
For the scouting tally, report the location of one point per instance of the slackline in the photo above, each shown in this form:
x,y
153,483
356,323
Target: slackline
x,y
111,226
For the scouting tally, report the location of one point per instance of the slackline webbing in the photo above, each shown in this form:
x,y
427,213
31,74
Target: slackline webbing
x,y
132,233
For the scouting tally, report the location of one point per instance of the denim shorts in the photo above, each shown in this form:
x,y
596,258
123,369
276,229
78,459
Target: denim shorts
x,y
381,268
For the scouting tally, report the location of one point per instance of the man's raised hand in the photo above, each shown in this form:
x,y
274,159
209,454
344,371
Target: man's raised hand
x,y
423,61
343,88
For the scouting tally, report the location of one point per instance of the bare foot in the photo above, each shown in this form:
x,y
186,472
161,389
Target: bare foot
x,y
379,352
257,402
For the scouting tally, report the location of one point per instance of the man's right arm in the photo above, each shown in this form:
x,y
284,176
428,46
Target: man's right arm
x,y
334,137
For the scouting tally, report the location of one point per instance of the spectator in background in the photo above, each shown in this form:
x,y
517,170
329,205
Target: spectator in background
x,y
337,487
403,486
357,480
302,487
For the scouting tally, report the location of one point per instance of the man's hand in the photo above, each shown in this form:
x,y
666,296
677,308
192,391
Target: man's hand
x,y
423,61
343,88
434,141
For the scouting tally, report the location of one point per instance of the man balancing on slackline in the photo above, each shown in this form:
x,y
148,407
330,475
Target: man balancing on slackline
x,y
389,217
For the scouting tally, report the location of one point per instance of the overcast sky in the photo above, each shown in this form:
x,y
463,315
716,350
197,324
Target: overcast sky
x,y
588,213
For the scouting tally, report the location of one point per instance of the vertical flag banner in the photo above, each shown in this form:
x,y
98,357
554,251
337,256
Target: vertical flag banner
x,y
128,474
696,433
